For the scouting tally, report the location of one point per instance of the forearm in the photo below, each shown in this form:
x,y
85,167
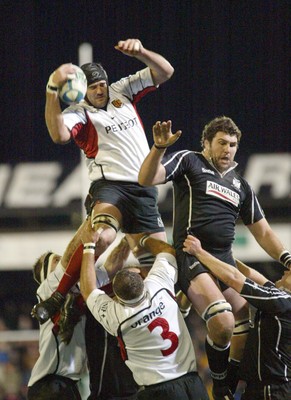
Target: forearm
x,y
88,275
59,133
223,271
117,258
160,68
251,273
152,172
267,238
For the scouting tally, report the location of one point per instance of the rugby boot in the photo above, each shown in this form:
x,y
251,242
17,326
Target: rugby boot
x,y
70,316
46,309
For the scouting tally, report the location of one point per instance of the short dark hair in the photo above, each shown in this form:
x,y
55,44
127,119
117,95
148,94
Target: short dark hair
x,y
220,124
128,285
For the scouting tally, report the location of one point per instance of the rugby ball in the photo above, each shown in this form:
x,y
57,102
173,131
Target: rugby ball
x,y
75,88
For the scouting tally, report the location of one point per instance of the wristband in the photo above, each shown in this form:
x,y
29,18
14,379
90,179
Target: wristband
x,y
89,248
51,87
143,239
160,147
285,258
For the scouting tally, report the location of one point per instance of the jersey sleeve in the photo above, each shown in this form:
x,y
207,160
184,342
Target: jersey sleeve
x,y
164,270
250,211
175,164
73,116
266,298
105,310
135,86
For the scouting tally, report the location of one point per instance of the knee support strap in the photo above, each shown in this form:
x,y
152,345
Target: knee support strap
x,y
215,308
105,219
241,327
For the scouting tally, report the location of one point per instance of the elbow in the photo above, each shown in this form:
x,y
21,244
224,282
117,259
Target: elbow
x,y
143,181
170,72
59,140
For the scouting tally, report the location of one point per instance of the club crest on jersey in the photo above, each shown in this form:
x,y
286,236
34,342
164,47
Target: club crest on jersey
x,y
222,192
236,183
117,103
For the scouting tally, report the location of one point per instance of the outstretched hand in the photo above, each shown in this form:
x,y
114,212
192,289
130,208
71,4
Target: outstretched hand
x,y
130,47
163,136
63,73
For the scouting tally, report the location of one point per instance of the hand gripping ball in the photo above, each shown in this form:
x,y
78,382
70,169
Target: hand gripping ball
x,y
74,90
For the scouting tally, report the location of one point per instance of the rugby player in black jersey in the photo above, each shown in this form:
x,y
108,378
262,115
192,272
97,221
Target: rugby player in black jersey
x,y
209,196
266,364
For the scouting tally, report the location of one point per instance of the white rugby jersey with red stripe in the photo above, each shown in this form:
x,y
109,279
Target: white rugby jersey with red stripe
x,y
155,342
113,138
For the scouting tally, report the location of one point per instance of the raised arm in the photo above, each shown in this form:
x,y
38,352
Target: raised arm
x,y
117,258
251,273
59,133
160,68
152,172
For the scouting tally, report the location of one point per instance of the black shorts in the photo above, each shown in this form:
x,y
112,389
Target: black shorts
x,y
137,204
189,267
188,386
274,391
110,378
54,387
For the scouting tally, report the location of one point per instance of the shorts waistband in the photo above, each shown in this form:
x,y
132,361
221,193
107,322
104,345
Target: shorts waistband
x,y
194,373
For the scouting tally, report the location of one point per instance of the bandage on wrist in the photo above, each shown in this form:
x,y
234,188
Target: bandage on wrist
x,y
285,259
51,87
89,248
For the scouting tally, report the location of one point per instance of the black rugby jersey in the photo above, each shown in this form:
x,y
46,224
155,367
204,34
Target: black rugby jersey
x,y
267,356
208,202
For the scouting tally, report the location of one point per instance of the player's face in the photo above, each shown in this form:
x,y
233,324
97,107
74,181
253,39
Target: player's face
x,y
285,281
97,94
222,150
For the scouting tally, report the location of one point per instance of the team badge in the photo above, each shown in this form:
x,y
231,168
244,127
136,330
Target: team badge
x,y
236,183
117,103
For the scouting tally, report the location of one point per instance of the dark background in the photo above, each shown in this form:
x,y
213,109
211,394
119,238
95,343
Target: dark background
x,y
230,58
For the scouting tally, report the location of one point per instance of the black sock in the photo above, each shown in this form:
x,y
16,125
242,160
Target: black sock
x,y
217,361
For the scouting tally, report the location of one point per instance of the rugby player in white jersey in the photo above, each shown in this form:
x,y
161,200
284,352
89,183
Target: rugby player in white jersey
x,y
145,317
108,129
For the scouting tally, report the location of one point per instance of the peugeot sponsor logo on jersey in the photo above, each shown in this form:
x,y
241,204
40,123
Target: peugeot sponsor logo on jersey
x,y
222,192
122,126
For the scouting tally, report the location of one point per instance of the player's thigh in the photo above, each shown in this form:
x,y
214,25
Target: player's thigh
x,y
106,212
211,305
203,291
